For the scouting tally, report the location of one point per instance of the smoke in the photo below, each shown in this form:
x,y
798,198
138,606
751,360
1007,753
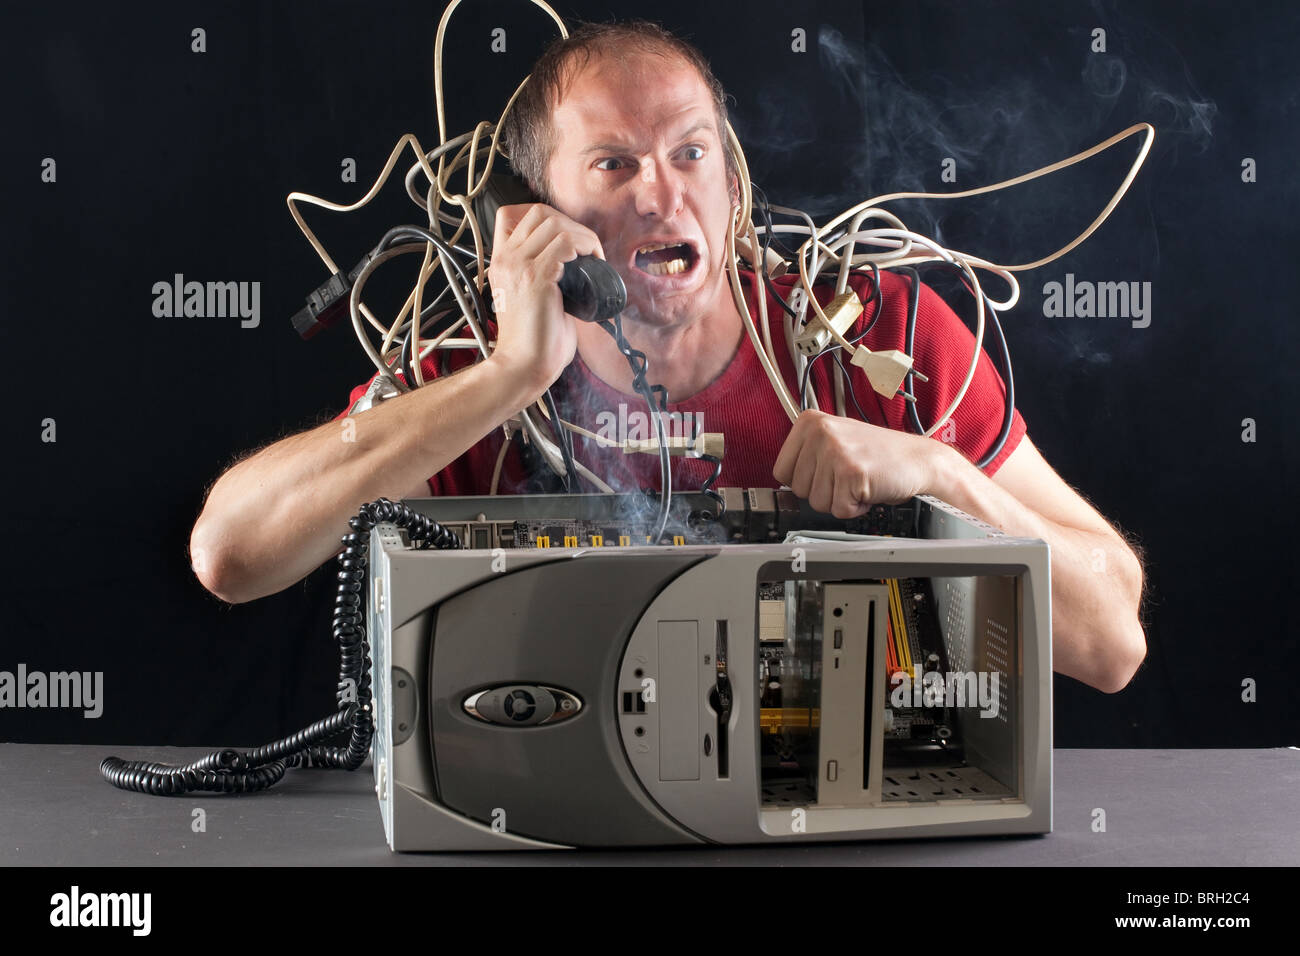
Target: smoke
x,y
629,418
986,120
862,127
1187,120
1105,76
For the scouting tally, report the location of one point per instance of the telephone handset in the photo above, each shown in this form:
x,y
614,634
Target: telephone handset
x,y
592,290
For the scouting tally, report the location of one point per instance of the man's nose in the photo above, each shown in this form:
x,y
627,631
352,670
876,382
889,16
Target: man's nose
x,y
660,190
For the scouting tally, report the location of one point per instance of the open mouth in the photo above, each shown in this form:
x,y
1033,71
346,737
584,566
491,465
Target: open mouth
x,y
665,258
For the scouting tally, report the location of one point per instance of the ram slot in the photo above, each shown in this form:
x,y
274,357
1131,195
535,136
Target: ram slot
x,y
891,655
900,625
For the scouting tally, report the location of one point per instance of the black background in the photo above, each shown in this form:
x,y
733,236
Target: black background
x,y
173,161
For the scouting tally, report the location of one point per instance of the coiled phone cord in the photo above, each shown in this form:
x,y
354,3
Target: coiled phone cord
x,y
234,771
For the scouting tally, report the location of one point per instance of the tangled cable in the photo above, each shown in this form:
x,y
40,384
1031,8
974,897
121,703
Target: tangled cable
x,y
835,247
234,771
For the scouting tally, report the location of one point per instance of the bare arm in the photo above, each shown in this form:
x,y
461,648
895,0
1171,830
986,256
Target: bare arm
x,y
842,466
1097,635
276,516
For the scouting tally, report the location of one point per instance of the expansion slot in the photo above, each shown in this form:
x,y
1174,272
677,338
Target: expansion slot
x,y
773,720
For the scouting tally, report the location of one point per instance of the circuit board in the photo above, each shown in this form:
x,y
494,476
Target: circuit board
x,y
732,516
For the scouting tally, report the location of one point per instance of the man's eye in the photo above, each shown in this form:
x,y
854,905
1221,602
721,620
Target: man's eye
x,y
614,164
693,152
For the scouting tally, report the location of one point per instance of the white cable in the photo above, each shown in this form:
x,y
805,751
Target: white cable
x,y
474,152
430,156
496,470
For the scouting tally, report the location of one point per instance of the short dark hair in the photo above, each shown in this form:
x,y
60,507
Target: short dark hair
x,y
527,135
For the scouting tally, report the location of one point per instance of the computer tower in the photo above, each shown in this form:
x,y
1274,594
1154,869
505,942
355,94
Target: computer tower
x,y
563,683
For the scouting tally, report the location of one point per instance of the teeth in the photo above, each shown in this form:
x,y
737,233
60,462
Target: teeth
x,y
655,247
666,268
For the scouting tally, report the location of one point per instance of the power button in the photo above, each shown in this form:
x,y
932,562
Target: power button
x,y
522,705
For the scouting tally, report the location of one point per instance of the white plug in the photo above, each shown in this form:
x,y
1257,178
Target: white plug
x,y
775,266
842,311
885,369
706,443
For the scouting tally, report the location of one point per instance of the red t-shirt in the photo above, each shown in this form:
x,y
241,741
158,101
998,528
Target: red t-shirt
x,y
742,405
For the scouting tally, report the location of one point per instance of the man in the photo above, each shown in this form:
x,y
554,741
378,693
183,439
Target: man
x,y
622,133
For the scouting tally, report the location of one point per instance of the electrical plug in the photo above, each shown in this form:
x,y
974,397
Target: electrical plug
x,y
886,370
706,443
842,311
775,265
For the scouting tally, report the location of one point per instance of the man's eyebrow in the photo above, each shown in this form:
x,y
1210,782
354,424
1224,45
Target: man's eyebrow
x,y
620,147
703,124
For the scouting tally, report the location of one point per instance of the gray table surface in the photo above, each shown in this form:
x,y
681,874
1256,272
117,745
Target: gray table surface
x,y
1163,808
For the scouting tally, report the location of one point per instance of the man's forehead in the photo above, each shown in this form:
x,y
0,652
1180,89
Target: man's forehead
x,y
610,100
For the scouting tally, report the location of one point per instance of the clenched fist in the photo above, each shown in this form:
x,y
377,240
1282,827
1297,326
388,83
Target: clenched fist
x,y
842,466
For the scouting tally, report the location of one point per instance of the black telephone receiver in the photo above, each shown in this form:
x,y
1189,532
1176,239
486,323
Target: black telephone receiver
x,y
592,290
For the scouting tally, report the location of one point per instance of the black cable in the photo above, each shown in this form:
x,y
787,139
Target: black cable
x,y
909,342
407,352
1008,416
877,298
639,364
807,374
1009,380
834,352
769,239
421,234
776,294
765,211
760,267
429,308
233,771
848,382
426,313
706,486
565,440
389,240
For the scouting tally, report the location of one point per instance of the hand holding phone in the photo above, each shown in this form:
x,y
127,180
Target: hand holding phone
x,y
536,337
590,288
